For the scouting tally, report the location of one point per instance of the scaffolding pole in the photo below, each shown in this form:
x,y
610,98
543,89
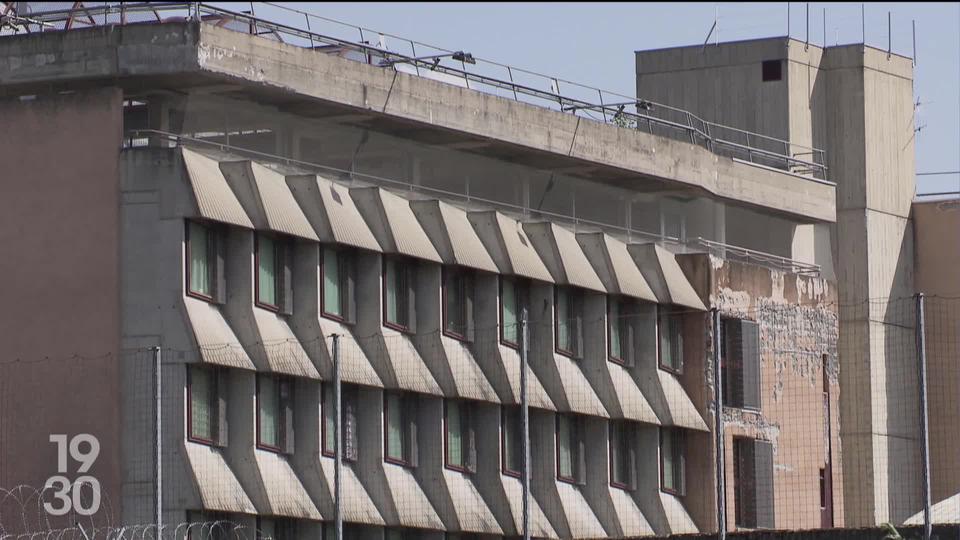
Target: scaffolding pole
x,y
718,427
158,438
924,433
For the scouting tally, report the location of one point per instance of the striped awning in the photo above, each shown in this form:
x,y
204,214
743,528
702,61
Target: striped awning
x,y
614,266
393,223
562,255
264,195
331,211
666,279
452,235
212,194
508,245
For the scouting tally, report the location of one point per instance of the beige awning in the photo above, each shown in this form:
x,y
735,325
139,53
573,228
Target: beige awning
x,y
678,519
577,391
663,273
944,512
264,194
673,405
393,224
357,505
452,235
216,342
277,349
398,363
472,513
332,212
508,245
215,200
633,403
614,266
218,488
540,526
536,394
583,523
283,494
455,368
560,252
412,506
629,516
355,367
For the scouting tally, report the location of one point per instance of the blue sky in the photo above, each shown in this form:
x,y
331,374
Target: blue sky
x,y
593,43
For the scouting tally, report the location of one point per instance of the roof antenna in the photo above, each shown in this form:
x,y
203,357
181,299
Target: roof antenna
x,y
710,33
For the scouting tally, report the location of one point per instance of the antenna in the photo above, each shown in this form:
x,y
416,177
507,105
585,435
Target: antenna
x,y
889,35
914,24
806,44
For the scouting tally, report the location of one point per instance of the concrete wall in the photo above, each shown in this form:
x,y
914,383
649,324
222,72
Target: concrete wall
x,y
60,234
937,256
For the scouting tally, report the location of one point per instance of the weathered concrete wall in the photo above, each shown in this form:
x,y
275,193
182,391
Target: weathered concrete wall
x,y
195,54
798,328
60,235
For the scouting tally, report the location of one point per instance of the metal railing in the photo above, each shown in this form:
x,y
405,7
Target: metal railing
x,y
335,37
145,137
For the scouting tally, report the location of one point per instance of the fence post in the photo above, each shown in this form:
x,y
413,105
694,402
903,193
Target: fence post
x,y
924,434
718,428
158,438
337,458
525,422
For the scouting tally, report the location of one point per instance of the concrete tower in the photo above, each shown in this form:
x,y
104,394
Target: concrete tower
x,y
855,103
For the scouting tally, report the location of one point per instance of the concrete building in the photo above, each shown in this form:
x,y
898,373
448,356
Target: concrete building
x,y
237,200
856,103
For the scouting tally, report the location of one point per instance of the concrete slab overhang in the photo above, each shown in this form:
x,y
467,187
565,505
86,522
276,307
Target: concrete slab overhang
x,y
182,55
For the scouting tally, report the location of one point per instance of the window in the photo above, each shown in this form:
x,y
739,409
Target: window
x,y
570,451
459,441
740,363
622,454
274,413
753,483
205,262
772,70
512,437
568,317
670,332
337,292
398,294
273,283
672,461
622,315
348,421
458,302
206,406
400,426
276,529
513,300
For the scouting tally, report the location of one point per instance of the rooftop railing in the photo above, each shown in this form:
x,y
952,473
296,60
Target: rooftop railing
x,y
453,67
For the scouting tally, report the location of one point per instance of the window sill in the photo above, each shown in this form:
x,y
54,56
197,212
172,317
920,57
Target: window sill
x,y
397,328
670,370
335,317
569,354
510,344
511,474
398,462
201,296
458,337
204,442
624,487
268,307
565,480
673,492
619,361
267,448
461,470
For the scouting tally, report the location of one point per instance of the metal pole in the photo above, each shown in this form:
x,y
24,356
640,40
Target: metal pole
x,y
718,429
158,471
924,434
525,422
788,19
824,28
337,458
914,23
806,44
889,34
863,24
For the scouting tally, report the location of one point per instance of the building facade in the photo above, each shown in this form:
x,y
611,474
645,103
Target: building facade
x,y
270,218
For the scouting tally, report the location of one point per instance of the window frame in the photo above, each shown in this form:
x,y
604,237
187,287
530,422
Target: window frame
x,y
678,437
408,459
576,433
574,302
406,265
623,327
345,264
627,430
504,462
280,382
280,245
670,312
213,405
466,417
467,289
521,292
214,235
